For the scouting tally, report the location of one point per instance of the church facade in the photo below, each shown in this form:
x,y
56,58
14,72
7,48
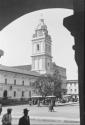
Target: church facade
x,y
15,82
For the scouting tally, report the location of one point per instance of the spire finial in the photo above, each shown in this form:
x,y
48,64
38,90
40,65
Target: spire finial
x,y
41,17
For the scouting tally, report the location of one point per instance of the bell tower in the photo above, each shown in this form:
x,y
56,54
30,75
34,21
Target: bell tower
x,y
41,49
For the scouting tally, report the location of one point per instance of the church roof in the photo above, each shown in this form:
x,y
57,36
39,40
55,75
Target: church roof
x,y
61,70
57,67
20,71
23,67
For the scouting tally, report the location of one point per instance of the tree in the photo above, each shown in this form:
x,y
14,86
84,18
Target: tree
x,y
58,89
48,84
42,86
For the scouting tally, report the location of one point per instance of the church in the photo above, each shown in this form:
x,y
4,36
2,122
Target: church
x,y
15,81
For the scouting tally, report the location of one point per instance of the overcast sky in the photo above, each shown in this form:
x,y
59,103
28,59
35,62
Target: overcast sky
x,y
15,40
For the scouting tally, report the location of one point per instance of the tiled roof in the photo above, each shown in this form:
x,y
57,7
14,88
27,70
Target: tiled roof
x,y
16,70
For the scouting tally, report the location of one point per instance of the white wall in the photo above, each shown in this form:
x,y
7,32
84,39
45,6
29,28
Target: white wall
x,y
10,76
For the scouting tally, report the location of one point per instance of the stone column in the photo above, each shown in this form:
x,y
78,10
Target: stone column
x,y
75,24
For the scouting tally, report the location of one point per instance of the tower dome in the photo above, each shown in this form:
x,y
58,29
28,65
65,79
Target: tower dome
x,y
41,25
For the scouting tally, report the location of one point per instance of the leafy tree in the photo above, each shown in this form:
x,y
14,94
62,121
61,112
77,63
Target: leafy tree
x,y
48,84
42,86
58,90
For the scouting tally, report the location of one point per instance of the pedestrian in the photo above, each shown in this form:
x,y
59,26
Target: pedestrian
x,y
25,120
7,118
38,102
0,108
51,106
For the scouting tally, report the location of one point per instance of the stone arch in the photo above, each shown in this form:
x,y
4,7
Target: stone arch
x,y
11,10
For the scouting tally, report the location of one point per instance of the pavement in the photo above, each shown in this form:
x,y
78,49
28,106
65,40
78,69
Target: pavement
x,y
52,117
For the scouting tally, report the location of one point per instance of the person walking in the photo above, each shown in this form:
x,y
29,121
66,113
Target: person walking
x,y
0,109
25,120
7,118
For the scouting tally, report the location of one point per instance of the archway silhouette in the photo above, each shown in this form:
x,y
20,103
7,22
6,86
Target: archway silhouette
x,y
11,10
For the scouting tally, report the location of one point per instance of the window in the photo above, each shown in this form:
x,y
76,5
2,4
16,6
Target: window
x,y
70,84
29,94
48,64
71,90
22,93
49,48
14,81
23,82
37,47
14,93
5,81
75,84
10,87
30,84
75,90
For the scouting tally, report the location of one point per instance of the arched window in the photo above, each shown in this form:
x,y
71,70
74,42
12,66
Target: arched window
x,y
5,81
14,93
38,47
22,93
14,81
23,82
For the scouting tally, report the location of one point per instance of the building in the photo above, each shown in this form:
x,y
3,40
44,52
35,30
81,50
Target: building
x,y
42,55
41,49
72,88
15,82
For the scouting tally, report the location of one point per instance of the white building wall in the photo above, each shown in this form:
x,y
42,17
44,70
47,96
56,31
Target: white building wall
x,y
72,87
18,87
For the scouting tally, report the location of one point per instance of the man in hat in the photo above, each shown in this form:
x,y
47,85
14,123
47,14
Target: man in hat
x,y
7,118
25,120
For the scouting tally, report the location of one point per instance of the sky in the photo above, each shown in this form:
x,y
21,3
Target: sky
x,y
15,40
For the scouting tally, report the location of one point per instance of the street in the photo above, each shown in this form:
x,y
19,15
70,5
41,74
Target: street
x,y
62,115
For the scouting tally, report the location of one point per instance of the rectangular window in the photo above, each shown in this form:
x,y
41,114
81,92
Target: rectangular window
x,y
5,81
14,93
29,94
22,93
38,47
10,87
23,82
75,90
14,81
